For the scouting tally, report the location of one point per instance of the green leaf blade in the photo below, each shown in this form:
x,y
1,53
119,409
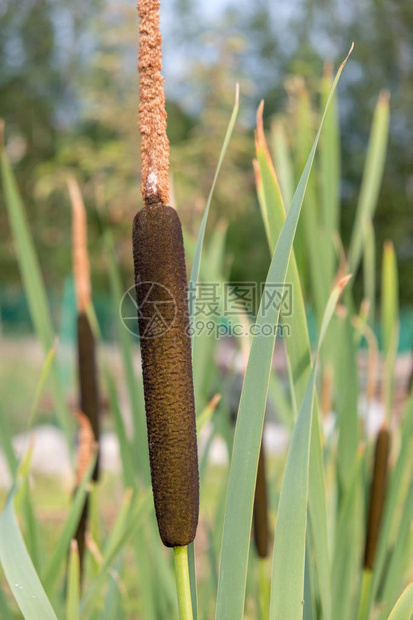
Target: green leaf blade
x,y
19,570
248,431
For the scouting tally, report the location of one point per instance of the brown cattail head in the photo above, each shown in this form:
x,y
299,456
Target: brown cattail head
x,y
377,495
81,267
152,113
260,514
89,397
160,279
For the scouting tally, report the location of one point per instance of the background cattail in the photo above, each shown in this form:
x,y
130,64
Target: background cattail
x,y
260,513
89,398
160,279
377,496
87,368
260,510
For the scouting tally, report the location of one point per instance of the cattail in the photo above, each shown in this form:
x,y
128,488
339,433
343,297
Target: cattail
x,y
89,399
377,495
160,279
87,369
260,514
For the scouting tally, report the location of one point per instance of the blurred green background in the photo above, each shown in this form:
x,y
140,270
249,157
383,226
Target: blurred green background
x,y
69,97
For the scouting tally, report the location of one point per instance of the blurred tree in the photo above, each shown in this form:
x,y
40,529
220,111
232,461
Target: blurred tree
x,y
41,45
103,148
69,96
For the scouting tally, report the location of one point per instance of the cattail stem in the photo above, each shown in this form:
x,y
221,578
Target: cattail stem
x,y
183,586
264,589
364,595
377,496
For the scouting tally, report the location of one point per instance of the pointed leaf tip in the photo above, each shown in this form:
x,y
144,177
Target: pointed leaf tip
x,y
237,94
73,546
384,97
260,126
347,57
343,281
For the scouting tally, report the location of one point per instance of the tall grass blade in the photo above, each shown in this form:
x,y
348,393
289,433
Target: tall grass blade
x,y
72,600
113,600
287,584
283,163
129,521
372,177
273,213
34,543
134,387
347,556
33,283
125,446
400,555
200,241
6,442
19,570
330,163
404,605
52,570
369,269
194,278
299,367
318,255
390,321
347,390
248,431
41,383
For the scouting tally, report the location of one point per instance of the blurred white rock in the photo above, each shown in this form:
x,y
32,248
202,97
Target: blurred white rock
x,y
50,456
373,416
276,438
110,453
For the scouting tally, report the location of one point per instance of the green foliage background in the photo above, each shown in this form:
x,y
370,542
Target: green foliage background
x,y
68,94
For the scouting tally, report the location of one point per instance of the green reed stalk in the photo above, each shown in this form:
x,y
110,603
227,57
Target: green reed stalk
x,y
183,585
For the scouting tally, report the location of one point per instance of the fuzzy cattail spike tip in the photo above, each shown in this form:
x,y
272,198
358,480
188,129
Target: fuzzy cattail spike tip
x,y
152,113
